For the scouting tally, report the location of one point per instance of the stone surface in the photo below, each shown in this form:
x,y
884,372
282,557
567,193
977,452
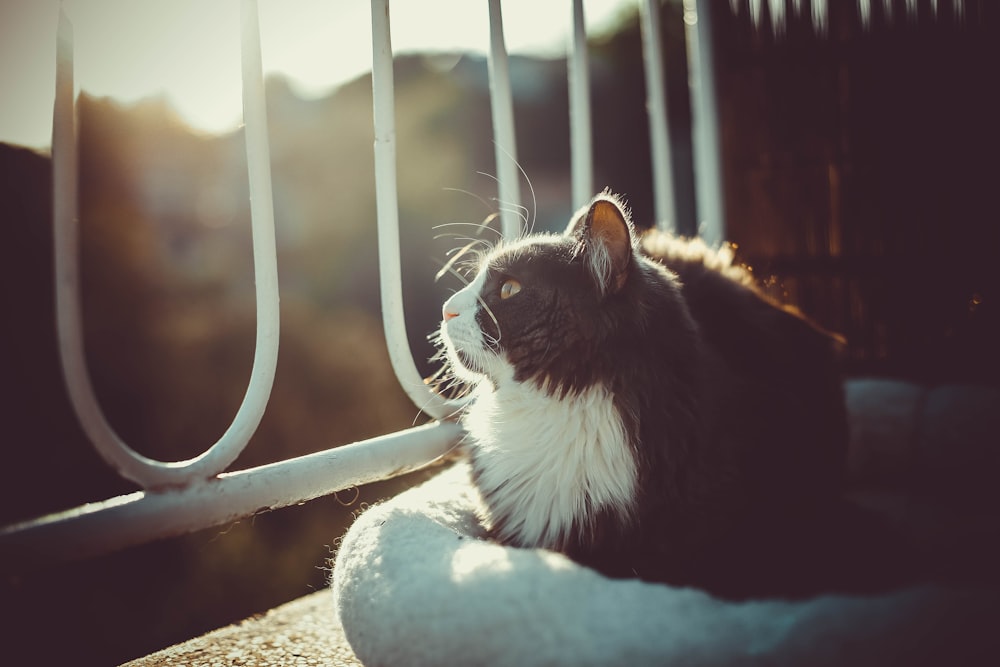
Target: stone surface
x,y
300,633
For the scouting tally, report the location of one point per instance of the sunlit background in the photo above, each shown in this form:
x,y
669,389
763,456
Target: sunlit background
x,y
189,50
859,173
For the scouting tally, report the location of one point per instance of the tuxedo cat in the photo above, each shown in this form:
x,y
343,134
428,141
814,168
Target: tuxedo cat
x,y
639,406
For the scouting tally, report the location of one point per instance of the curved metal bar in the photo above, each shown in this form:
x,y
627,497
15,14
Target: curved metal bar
x,y
147,472
505,143
581,152
656,96
387,208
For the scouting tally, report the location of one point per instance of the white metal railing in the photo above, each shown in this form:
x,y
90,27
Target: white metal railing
x,y
581,150
706,152
180,497
665,205
502,105
146,472
819,10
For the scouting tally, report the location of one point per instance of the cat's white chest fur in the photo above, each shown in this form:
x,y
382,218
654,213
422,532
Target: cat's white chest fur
x,y
548,464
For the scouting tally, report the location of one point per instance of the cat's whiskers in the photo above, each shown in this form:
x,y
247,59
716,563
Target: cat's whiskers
x,y
436,385
494,342
481,247
449,268
529,225
534,204
450,264
478,226
477,247
462,237
444,380
452,389
518,210
463,191
491,341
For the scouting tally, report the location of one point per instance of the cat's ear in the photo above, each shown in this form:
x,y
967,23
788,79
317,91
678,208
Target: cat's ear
x,y
604,236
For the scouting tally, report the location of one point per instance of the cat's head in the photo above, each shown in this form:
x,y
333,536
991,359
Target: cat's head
x,y
546,307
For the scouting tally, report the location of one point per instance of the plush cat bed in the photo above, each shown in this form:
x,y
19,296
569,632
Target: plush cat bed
x,y
415,583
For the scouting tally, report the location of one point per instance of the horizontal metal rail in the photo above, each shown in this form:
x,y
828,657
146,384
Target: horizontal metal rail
x,y
144,516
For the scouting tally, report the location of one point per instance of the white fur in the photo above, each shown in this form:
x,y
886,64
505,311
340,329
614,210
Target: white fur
x,y
558,460
465,301
601,265
461,331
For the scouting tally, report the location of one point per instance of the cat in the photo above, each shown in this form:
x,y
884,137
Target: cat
x,y
640,406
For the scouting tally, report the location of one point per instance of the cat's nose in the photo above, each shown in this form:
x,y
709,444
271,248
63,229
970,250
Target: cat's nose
x,y
446,314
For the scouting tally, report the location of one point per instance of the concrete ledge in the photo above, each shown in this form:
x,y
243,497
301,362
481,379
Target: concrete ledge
x,y
301,632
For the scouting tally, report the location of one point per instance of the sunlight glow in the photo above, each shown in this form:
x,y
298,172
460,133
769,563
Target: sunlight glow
x,y
477,559
188,50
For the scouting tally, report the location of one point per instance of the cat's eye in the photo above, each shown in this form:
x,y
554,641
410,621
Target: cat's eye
x,y
509,288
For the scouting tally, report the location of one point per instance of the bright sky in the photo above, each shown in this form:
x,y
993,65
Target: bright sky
x,y
190,49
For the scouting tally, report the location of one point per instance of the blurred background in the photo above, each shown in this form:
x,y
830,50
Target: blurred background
x,y
859,175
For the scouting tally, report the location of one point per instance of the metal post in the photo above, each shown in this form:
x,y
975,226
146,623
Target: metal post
x,y
387,206
663,177
709,201
502,106
581,153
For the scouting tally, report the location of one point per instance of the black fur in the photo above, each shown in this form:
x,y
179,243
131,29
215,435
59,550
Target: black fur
x,y
733,404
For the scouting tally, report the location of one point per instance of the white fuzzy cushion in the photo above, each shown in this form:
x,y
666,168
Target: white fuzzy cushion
x,y
415,584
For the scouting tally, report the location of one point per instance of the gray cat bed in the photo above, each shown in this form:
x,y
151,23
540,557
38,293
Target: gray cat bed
x,y
416,584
